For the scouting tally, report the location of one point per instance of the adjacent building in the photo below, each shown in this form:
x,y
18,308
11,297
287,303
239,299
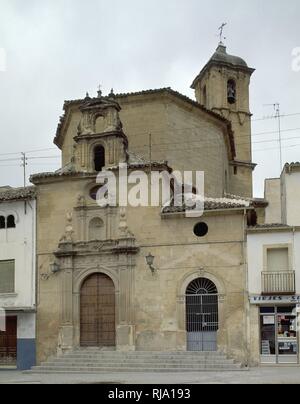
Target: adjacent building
x,y
17,277
274,273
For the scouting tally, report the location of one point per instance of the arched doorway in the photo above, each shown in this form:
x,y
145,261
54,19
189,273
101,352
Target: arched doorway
x,y
97,312
202,316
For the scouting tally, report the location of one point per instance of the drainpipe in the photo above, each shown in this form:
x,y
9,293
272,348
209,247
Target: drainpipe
x,y
246,293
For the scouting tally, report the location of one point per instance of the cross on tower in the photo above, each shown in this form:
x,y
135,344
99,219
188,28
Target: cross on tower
x,y
221,29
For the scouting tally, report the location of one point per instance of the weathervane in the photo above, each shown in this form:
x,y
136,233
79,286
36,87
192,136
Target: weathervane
x,y
221,29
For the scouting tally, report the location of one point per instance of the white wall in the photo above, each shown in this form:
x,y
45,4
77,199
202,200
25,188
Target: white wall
x,y
273,196
256,243
292,190
19,244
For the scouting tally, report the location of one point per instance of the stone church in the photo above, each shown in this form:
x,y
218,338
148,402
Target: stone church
x,y
149,278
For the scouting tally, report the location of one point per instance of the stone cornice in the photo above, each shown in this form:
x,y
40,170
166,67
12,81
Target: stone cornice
x,y
272,228
108,247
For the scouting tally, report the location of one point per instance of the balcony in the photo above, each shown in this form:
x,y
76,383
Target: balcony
x,y
279,283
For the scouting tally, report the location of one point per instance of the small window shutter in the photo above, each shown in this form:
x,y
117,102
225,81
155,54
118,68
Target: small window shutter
x,y
7,276
278,260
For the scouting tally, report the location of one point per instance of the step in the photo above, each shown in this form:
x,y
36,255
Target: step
x,y
142,355
132,370
95,360
141,358
148,363
136,365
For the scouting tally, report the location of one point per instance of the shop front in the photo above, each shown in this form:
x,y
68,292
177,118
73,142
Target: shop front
x,y
279,328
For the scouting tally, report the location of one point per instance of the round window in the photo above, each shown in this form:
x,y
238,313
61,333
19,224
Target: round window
x,y
201,229
94,191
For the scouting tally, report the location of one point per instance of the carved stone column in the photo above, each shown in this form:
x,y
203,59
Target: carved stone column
x,y
66,333
126,327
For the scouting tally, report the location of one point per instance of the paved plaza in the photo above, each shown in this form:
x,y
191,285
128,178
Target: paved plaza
x,y
266,375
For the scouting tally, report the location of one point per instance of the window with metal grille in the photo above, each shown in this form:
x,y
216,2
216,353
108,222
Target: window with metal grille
x,y
7,276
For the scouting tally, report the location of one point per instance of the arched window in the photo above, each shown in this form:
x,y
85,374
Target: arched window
x,y
2,222
202,286
99,158
96,229
11,223
231,92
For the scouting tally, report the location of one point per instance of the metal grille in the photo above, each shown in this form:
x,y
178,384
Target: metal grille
x,y
202,319
97,315
280,282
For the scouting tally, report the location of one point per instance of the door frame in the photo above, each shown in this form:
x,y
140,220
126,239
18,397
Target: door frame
x,y
222,337
76,297
98,319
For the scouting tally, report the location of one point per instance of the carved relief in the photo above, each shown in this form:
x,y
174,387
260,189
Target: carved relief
x,y
87,123
107,109
68,236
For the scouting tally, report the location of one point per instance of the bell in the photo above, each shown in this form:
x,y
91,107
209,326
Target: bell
x,y
231,99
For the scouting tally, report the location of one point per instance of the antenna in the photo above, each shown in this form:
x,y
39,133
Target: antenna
x,y
221,29
24,164
276,107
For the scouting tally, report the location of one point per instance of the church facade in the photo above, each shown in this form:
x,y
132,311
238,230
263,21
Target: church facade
x,y
150,278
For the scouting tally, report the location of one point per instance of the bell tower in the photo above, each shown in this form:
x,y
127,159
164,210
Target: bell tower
x,y
222,86
100,141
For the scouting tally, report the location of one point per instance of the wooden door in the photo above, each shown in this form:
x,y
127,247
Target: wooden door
x,y
97,312
8,342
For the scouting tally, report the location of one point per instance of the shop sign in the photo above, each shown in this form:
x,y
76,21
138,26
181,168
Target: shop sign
x,y
275,300
269,320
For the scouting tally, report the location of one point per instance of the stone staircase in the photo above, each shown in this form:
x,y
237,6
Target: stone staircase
x,y
95,360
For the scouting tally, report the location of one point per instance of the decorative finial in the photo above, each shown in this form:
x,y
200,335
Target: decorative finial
x,y
221,29
87,97
99,91
112,94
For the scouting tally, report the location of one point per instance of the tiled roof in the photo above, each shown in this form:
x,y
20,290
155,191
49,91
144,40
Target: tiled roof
x,y
16,194
256,202
270,226
210,204
290,166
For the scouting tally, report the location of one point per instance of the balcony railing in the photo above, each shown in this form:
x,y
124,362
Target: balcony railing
x,y
278,283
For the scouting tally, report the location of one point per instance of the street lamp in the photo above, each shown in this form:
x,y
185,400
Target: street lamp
x,y
150,261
